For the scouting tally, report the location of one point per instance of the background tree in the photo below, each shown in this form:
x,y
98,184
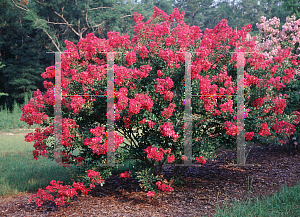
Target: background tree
x,y
197,13
293,6
22,50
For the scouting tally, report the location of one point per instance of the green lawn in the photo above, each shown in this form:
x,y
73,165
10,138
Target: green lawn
x,y
285,203
19,170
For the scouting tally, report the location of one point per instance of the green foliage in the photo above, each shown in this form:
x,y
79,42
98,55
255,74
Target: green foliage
x,y
207,14
22,50
11,120
147,179
293,6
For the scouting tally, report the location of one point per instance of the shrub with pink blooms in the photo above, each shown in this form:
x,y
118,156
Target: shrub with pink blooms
x,y
275,42
149,101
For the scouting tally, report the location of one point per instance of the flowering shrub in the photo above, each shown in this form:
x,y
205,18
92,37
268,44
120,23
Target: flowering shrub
x,y
149,94
276,45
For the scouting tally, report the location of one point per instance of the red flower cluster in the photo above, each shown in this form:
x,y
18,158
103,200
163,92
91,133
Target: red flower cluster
x,y
280,105
264,130
142,51
150,193
200,160
150,124
97,143
171,158
142,121
257,103
227,106
164,187
134,106
130,58
159,73
78,160
231,128
67,137
275,83
31,111
158,154
125,175
297,120
76,103
116,41
63,193
95,178
40,143
290,72
249,135
284,128
251,80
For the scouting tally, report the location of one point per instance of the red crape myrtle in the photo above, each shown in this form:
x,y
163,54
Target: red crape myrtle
x,y
149,107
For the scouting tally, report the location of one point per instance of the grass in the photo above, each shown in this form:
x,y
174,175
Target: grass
x,y
20,172
283,203
11,119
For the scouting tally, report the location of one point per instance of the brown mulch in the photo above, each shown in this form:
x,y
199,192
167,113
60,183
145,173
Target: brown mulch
x,y
204,187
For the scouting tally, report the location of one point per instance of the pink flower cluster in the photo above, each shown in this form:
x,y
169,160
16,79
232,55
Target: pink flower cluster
x,y
97,143
167,129
163,88
275,39
32,111
167,112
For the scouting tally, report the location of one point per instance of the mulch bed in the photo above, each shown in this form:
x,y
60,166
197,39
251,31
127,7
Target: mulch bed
x,y
204,187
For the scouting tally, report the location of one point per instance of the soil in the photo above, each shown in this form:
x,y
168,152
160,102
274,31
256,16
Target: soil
x,y
217,183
